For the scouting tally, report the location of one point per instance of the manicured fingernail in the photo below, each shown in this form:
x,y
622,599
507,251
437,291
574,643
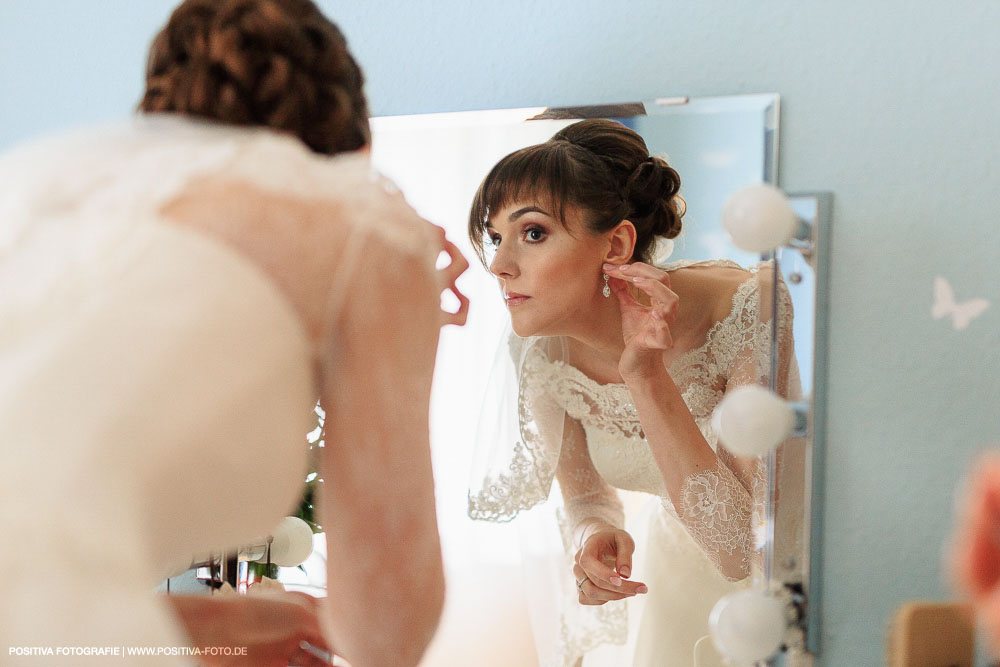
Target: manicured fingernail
x,y
610,267
624,570
637,279
616,580
642,589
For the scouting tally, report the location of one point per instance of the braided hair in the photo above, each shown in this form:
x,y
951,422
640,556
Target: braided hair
x,y
273,63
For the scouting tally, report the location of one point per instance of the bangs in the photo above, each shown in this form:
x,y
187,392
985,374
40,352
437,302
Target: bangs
x,y
541,173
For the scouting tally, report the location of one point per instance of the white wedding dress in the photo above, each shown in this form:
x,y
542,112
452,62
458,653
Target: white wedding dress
x,y
156,384
587,437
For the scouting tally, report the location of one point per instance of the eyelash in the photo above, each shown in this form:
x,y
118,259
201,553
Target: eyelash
x,y
541,231
495,240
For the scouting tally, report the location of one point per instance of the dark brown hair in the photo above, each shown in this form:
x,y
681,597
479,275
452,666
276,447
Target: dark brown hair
x,y
597,165
271,63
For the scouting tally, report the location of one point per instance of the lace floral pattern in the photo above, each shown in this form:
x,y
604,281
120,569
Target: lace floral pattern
x,y
506,494
606,624
606,407
527,476
717,510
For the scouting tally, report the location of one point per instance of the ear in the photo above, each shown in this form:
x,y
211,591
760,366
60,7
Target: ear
x,y
621,243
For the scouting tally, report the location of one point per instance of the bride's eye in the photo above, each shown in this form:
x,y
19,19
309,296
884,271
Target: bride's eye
x,y
534,234
491,240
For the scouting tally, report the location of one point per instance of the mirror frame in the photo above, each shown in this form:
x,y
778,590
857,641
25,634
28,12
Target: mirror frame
x,y
816,209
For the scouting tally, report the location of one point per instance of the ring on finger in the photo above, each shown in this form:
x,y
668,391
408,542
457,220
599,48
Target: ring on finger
x,y
579,583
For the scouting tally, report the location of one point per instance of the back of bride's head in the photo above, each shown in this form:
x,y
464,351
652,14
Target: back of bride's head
x,y
271,63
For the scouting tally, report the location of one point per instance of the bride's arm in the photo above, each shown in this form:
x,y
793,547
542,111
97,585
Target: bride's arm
x,y
596,518
714,495
709,499
385,582
714,506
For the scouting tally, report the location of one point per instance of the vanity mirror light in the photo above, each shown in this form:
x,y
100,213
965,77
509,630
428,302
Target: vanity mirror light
x,y
718,145
794,230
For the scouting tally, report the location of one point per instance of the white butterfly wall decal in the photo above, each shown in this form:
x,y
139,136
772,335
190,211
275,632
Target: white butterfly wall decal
x,y
963,313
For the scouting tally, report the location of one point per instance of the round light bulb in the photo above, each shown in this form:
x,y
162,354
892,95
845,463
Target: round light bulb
x,y
759,218
752,420
747,626
291,542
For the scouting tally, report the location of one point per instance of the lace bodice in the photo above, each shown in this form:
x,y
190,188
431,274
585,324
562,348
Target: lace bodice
x,y
614,435
588,436
605,448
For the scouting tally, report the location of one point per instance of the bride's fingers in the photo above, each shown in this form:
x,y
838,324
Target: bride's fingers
x,y
458,264
591,593
655,331
637,270
604,577
621,290
600,574
592,590
449,274
660,331
659,294
460,316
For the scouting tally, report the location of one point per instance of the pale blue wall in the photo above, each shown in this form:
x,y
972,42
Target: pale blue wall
x,y
891,105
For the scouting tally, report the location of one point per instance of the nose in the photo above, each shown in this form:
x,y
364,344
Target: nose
x,y
503,264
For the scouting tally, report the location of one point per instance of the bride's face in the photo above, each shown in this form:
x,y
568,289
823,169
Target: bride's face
x,y
550,274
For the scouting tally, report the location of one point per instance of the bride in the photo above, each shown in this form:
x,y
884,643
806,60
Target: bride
x,y
619,364
175,292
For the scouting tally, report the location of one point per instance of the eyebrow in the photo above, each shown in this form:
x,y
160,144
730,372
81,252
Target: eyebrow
x,y
518,213
527,209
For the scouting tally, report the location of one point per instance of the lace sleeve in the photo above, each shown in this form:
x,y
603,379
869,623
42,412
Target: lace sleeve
x,y
585,493
716,510
749,359
723,507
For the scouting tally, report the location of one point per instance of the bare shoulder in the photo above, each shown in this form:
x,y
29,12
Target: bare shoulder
x,y
711,286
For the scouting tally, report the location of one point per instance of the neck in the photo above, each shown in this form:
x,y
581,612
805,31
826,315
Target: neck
x,y
600,333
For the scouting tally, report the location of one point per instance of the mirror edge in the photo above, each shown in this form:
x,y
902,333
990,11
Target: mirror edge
x,y
813,575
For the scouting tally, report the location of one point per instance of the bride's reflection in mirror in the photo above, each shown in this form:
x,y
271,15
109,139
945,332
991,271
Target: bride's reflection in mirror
x,y
615,364
511,595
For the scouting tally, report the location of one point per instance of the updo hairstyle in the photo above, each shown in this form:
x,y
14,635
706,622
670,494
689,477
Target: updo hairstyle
x,y
597,165
273,63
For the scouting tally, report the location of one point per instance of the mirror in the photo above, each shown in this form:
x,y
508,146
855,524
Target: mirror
x,y
717,145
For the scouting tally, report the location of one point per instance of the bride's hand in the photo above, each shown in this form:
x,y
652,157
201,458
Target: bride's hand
x,y
272,628
447,276
602,566
645,328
